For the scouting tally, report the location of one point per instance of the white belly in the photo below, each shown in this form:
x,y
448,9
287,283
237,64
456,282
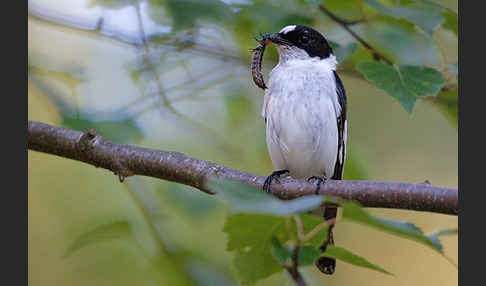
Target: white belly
x,y
301,111
300,138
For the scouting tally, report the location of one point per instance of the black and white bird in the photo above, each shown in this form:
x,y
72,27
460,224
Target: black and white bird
x,y
305,115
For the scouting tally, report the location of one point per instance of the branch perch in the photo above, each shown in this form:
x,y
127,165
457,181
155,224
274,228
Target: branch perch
x,y
125,160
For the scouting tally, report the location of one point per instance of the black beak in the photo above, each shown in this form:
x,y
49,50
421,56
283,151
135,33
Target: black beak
x,y
276,39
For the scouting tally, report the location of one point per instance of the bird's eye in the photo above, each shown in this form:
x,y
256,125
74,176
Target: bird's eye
x,y
304,39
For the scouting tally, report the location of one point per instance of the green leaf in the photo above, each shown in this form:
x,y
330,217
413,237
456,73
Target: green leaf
x,y
353,212
450,21
247,230
255,264
118,131
351,258
403,82
435,236
106,232
426,15
250,237
279,252
308,254
309,222
399,41
245,199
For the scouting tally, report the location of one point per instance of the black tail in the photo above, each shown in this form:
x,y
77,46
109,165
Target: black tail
x,y
325,264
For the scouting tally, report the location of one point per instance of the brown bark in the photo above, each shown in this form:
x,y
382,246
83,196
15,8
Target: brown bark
x,y
125,160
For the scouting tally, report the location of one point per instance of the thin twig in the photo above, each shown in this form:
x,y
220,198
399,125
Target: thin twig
x,y
148,61
300,229
289,230
293,269
127,160
316,229
345,24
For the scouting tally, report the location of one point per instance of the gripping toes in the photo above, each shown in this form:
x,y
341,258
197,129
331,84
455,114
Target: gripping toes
x,y
320,180
274,176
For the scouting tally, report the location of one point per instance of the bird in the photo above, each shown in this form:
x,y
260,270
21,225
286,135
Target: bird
x,y
304,109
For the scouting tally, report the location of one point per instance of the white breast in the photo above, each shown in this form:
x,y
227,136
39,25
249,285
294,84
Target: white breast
x,y
301,109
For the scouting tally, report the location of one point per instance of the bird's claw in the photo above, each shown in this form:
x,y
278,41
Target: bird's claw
x,y
274,176
320,180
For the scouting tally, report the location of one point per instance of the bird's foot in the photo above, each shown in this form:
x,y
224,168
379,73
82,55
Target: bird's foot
x,y
320,180
274,176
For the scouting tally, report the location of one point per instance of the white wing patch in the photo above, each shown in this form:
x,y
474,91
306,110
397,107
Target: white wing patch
x,y
287,29
342,149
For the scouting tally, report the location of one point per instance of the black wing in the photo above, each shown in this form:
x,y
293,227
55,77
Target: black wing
x,y
325,264
341,123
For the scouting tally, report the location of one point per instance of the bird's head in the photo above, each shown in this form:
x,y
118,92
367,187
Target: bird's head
x,y
300,42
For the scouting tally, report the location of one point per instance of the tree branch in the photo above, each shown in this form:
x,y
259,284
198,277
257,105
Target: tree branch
x,y
125,160
293,269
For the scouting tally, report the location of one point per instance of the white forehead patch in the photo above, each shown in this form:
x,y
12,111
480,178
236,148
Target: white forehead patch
x,y
287,29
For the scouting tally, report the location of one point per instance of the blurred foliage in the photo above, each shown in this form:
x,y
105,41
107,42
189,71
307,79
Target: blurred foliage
x,y
118,131
447,103
353,212
435,236
450,22
112,4
195,204
259,247
103,233
245,199
254,260
426,15
174,75
185,13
